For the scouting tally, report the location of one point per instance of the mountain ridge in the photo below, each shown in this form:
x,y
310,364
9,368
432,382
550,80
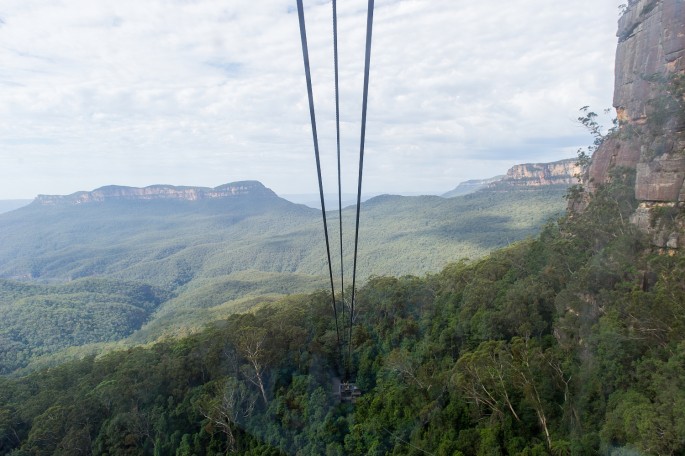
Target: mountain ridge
x,y
250,188
561,172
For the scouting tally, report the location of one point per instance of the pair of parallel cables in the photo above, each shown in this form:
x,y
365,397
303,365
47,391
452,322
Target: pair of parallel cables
x,y
305,54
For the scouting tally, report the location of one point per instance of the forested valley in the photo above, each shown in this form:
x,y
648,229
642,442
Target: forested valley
x,y
570,343
83,279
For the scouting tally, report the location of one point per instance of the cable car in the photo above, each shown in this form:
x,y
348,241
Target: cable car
x,y
346,392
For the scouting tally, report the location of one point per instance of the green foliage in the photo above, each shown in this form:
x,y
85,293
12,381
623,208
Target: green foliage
x,y
43,319
589,120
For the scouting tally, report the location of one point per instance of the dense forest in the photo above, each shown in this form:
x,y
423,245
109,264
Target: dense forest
x,y
571,343
41,319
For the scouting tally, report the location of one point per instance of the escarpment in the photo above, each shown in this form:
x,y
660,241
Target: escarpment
x,y
649,98
561,172
158,192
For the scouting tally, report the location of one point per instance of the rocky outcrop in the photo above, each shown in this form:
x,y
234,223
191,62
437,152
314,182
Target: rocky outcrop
x,y
615,152
664,222
158,192
563,172
649,97
650,53
651,46
661,180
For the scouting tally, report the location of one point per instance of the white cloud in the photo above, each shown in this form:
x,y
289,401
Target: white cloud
x,y
205,92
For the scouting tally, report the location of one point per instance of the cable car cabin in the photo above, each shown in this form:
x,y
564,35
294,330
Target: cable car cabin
x,y
348,392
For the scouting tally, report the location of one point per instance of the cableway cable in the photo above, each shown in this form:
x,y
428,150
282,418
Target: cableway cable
x,y
310,93
367,64
334,4
365,99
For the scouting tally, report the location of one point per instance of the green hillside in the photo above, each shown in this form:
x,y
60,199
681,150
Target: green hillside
x,y
159,242
415,235
42,319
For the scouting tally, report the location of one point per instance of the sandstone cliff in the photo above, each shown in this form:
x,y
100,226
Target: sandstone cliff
x,y
561,172
158,192
649,103
651,42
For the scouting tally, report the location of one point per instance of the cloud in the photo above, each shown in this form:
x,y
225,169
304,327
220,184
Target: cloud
x,y
204,92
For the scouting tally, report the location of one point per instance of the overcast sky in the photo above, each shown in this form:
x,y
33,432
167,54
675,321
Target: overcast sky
x,y
206,92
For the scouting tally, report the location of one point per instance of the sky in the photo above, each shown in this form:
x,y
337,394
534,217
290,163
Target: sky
x,y
207,92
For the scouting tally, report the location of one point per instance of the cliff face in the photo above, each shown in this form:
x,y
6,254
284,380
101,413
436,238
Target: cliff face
x,y
651,42
158,192
651,50
562,172
648,97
